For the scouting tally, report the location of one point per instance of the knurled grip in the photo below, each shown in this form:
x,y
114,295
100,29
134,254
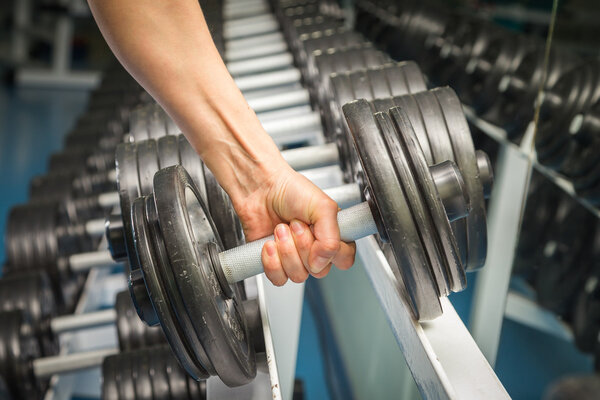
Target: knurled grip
x,y
245,261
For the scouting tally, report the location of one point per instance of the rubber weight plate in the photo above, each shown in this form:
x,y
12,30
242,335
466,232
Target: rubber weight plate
x,y
132,332
151,374
203,322
386,194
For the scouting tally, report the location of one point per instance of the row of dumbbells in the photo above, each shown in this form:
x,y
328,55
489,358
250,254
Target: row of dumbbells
x,y
558,254
413,191
499,72
34,319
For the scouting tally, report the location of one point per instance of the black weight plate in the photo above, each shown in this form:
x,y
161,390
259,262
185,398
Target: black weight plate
x,y
218,321
138,123
147,164
131,331
31,293
564,263
440,228
221,210
157,292
127,183
586,320
17,348
466,160
157,125
193,164
168,151
411,107
387,195
421,218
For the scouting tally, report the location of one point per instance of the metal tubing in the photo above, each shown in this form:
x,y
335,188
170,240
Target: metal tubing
x,y
95,227
309,122
263,50
252,29
75,322
312,156
108,200
87,261
244,43
48,366
268,79
248,21
261,64
297,97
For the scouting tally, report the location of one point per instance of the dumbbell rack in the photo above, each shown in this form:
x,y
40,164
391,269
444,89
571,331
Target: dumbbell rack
x,y
493,301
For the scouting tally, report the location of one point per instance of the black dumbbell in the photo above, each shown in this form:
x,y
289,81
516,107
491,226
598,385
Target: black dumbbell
x,y
581,165
564,258
519,90
148,374
586,314
166,252
26,372
574,93
543,200
32,294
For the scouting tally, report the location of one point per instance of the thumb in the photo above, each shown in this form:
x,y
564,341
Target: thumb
x,y
323,217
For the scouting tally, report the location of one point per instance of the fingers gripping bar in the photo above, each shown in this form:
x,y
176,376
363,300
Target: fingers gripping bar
x,y
245,261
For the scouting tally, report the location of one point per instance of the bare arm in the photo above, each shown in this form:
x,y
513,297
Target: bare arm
x,y
168,49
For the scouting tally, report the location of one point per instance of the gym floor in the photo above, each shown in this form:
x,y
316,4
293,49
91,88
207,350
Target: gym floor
x,y
32,123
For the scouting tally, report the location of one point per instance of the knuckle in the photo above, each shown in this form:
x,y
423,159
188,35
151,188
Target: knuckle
x,y
299,276
328,204
330,246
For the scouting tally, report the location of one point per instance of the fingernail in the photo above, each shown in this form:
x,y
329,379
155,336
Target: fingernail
x,y
319,264
270,248
297,228
282,232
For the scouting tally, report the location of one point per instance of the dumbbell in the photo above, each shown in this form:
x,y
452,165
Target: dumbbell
x,y
25,372
586,314
581,165
543,201
574,93
403,30
403,206
519,90
443,135
500,58
148,374
31,293
564,258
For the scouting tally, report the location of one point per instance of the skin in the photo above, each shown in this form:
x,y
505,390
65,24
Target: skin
x,y
167,48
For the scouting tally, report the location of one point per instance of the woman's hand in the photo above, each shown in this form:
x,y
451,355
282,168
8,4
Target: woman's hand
x,y
304,221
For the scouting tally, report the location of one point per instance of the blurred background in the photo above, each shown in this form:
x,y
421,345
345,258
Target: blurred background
x,y
528,73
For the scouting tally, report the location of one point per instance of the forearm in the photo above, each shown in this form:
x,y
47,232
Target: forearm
x,y
167,47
